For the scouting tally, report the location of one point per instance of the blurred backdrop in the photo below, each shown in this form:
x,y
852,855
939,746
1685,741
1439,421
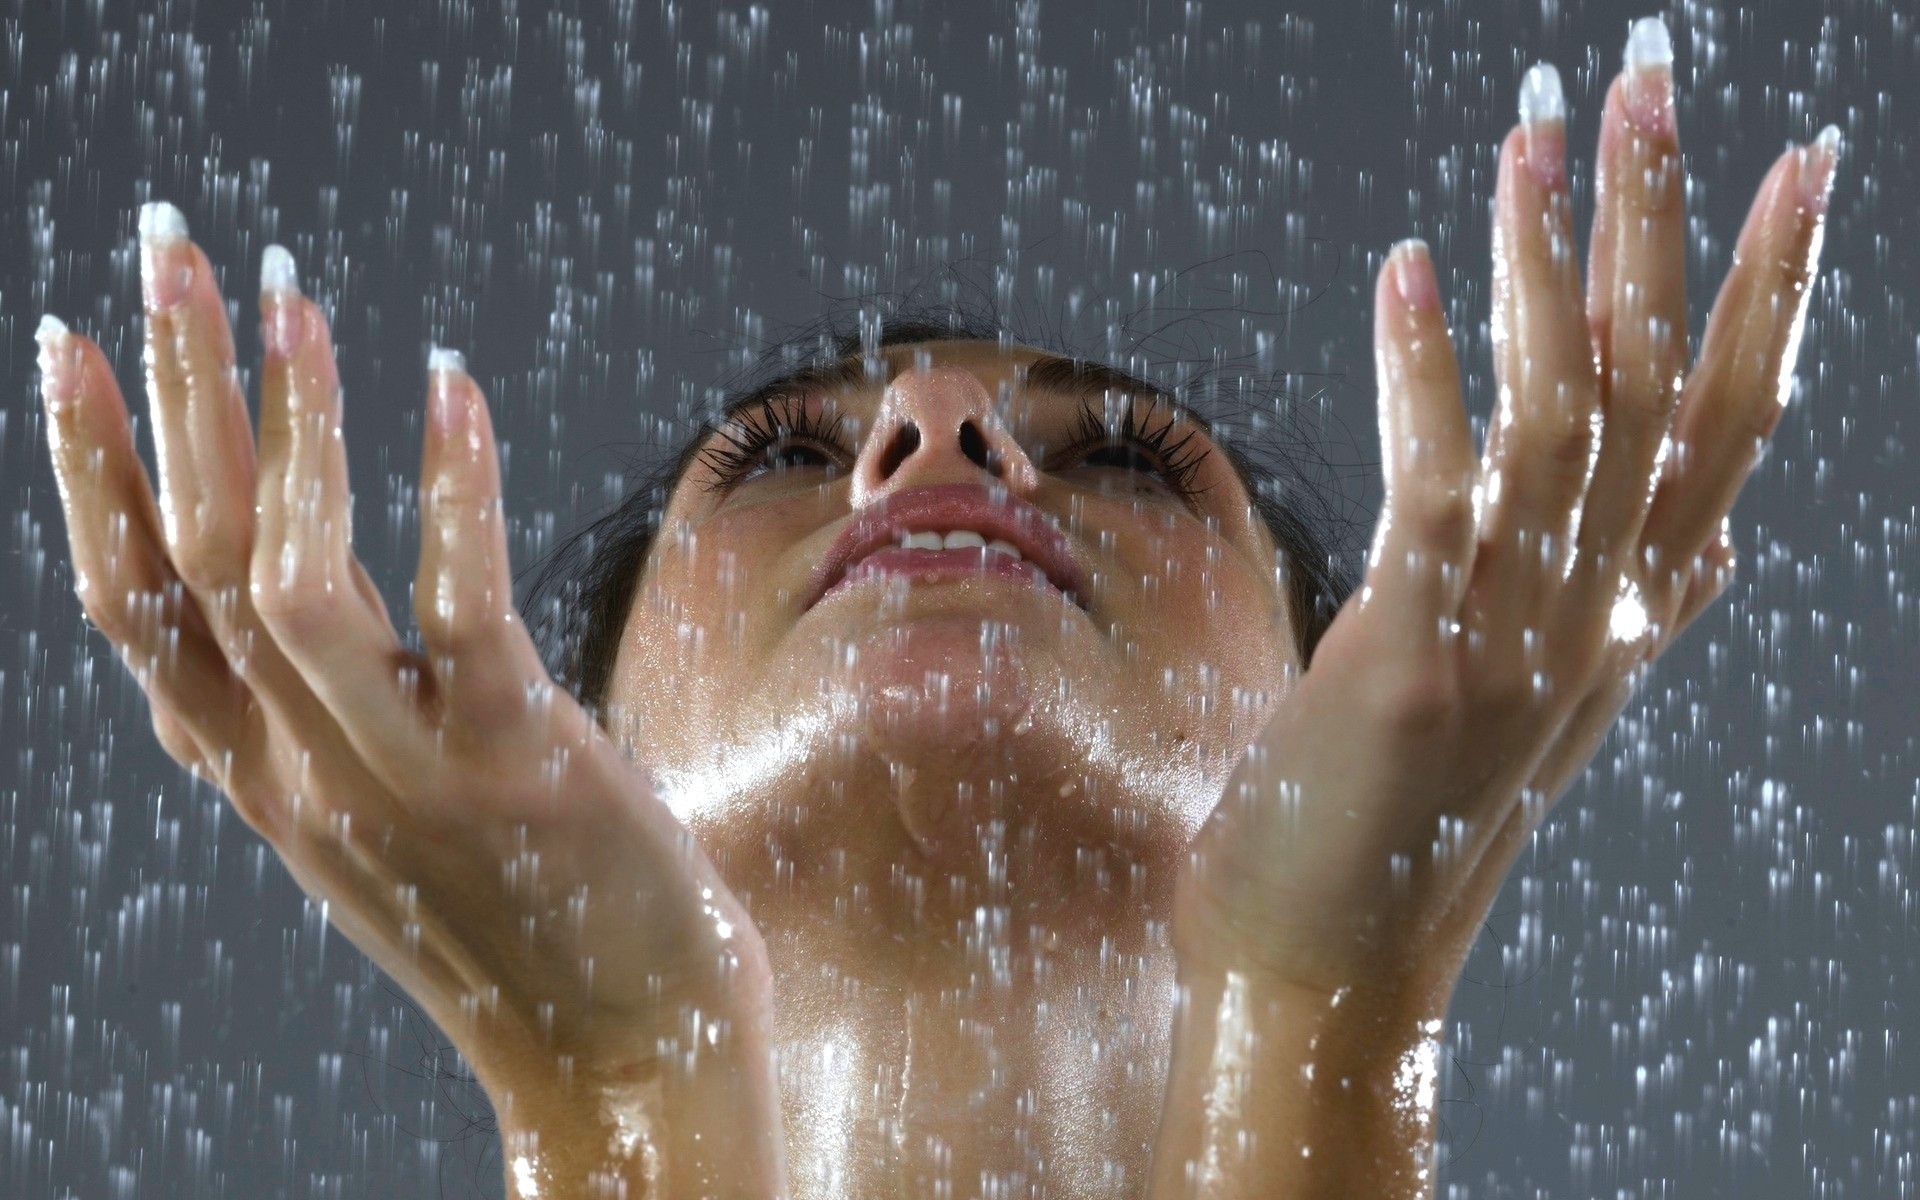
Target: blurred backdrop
x,y
1702,981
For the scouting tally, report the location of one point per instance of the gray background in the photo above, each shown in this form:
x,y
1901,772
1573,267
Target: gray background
x,y
1700,982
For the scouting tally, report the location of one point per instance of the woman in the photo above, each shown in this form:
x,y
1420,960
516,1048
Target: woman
x,y
1041,862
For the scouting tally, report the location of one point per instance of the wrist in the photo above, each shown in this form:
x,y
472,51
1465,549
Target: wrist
x,y
684,1105
693,1115
1408,969
1279,1088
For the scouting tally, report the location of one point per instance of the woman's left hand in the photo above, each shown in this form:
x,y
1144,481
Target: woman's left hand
x,y
1510,603
1509,606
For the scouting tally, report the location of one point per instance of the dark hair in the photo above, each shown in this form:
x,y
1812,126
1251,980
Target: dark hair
x,y
583,592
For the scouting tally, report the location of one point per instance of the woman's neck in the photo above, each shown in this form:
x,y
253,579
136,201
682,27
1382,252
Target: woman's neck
x,y
997,1043
972,976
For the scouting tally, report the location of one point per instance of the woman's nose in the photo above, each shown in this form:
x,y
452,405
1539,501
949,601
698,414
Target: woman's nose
x,y
938,425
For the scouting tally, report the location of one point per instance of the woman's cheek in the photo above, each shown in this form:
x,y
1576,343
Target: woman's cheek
x,y
1223,640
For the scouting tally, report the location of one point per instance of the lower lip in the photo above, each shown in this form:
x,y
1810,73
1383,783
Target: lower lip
x,y
935,566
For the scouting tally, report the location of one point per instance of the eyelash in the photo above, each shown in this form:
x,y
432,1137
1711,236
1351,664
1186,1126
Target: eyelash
x,y
740,445
780,418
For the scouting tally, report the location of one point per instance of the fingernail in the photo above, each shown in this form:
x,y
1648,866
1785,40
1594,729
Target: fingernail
x,y
447,408
1413,275
166,260
277,272
280,302
1543,122
59,365
1646,83
1817,162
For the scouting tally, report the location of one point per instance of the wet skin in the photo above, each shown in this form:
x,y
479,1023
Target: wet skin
x,y
867,779
959,915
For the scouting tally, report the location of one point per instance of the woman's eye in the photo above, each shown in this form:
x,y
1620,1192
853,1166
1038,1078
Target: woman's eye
x,y
1122,456
779,458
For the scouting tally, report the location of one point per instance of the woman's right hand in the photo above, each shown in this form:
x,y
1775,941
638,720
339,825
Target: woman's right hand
x,y
464,821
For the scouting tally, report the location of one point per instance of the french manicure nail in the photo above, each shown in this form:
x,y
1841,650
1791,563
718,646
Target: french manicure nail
x,y
280,301
59,364
447,408
166,261
1817,162
1413,275
1543,122
1647,81
277,272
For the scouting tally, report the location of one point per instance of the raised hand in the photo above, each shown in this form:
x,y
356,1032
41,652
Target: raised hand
x,y
1509,606
467,823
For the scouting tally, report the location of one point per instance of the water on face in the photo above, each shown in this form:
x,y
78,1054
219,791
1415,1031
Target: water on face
x,y
1699,979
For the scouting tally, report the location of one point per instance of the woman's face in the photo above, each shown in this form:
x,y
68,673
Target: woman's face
x,y
961,714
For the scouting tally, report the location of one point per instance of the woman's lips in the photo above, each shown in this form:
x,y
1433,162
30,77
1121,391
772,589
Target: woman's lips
x,y
934,566
993,513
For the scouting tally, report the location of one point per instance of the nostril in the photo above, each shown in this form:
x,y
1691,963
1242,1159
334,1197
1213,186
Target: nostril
x,y
904,443
973,444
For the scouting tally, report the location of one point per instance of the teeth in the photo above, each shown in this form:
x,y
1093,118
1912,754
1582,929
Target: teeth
x,y
958,539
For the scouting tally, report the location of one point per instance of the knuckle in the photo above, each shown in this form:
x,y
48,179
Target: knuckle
x,y
175,740
460,621
1643,389
1570,442
253,804
1441,516
111,613
140,623
296,610
212,556
1754,421
446,619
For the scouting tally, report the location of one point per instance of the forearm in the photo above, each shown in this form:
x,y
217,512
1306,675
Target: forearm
x,y
700,1119
1276,1091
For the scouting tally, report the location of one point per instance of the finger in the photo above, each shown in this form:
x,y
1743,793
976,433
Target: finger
x,y
1423,544
1549,400
1712,574
208,489
483,661
201,431
1636,300
309,591
121,572
1744,377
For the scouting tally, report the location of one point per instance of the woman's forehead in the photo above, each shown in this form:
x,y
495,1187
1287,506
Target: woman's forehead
x,y
979,354
995,363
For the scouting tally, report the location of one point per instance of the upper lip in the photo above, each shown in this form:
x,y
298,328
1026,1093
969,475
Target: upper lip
x,y
945,507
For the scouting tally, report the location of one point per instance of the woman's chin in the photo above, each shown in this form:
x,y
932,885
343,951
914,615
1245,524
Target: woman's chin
x,y
948,706
939,698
